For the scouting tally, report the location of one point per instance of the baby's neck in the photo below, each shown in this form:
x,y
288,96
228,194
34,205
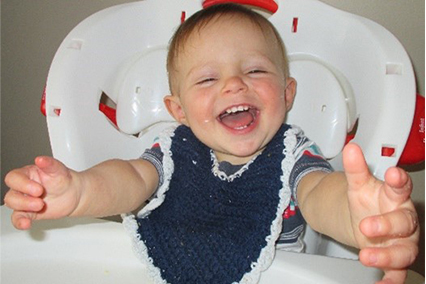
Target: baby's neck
x,y
234,160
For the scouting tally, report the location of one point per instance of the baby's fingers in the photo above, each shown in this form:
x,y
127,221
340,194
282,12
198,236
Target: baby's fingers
x,y
395,257
20,180
22,220
394,277
23,202
356,169
395,224
398,185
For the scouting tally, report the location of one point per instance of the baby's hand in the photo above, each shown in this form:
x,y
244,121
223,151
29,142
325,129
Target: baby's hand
x,y
40,191
383,216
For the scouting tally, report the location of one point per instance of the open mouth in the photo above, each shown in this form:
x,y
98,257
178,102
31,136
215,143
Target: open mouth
x,y
239,117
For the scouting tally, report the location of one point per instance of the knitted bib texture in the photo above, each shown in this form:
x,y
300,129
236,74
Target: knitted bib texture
x,y
209,230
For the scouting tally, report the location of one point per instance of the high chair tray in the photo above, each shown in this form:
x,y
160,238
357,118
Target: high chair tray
x,y
87,250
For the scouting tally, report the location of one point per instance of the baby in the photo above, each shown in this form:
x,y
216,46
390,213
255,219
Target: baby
x,y
232,181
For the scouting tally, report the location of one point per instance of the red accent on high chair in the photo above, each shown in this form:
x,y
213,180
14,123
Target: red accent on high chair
x,y
414,151
109,112
43,102
269,5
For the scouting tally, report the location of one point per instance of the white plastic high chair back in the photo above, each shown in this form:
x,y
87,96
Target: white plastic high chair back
x,y
351,72
348,69
118,52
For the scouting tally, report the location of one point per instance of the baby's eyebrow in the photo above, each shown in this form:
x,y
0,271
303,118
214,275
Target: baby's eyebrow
x,y
260,59
197,70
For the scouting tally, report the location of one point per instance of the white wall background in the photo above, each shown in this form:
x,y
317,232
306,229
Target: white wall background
x,y
31,31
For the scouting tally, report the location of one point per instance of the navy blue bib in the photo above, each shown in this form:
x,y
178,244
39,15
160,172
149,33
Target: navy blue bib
x,y
210,230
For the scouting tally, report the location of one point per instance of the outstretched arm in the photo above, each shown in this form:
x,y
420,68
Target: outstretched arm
x,y
357,209
49,190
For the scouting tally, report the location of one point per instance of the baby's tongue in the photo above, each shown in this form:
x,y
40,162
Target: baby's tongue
x,y
237,120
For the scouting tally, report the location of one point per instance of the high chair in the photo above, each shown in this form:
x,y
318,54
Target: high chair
x,y
353,77
105,89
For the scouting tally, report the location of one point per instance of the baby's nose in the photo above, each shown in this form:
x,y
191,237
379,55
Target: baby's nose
x,y
234,85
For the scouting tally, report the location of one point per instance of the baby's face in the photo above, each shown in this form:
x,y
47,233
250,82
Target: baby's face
x,y
232,90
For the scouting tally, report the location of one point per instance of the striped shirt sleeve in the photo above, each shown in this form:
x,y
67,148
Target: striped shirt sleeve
x,y
308,159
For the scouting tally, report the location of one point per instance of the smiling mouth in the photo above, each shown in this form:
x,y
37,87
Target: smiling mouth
x,y
239,117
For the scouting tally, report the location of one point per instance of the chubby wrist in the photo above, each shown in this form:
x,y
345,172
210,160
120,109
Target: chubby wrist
x,y
79,185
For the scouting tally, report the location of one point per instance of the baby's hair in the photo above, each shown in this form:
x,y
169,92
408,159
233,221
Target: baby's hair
x,y
201,18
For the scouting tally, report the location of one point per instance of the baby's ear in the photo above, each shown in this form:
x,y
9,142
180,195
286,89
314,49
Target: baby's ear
x,y
290,92
175,109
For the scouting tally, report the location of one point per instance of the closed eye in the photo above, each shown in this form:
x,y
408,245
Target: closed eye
x,y
207,80
254,71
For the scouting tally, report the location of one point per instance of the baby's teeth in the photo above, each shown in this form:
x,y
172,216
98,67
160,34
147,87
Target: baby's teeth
x,y
236,109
